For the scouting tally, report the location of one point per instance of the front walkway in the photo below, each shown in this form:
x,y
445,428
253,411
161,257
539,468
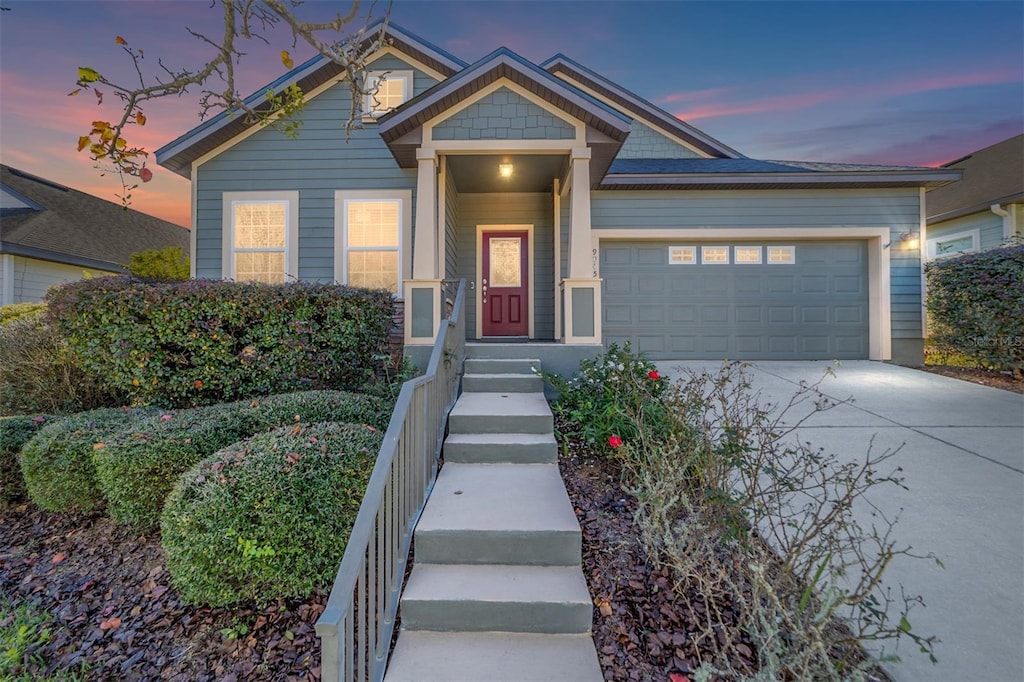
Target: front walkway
x,y
963,462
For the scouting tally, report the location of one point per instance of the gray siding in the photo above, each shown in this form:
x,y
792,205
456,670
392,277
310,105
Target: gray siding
x,y
451,228
644,142
988,224
503,115
501,209
33,277
316,164
896,208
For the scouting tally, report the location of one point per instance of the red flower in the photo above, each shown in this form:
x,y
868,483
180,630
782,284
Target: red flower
x,y
198,383
653,374
614,441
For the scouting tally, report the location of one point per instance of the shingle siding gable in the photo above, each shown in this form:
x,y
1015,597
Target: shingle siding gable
x,y
503,115
644,142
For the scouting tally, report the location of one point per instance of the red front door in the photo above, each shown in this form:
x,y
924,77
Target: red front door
x,y
503,289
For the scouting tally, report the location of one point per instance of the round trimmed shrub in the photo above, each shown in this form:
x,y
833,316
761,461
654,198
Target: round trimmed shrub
x,y
57,461
268,517
320,406
139,465
14,433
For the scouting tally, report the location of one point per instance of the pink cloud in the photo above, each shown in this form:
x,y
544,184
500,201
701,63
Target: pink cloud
x,y
709,93
777,103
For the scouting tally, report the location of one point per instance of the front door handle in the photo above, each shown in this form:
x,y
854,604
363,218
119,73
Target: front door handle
x,y
484,291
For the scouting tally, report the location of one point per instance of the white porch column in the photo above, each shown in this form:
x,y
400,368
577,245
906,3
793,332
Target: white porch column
x,y
580,261
423,298
424,262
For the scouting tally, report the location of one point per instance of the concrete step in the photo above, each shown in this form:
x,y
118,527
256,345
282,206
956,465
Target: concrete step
x,y
499,514
501,448
502,383
422,656
481,598
501,366
501,413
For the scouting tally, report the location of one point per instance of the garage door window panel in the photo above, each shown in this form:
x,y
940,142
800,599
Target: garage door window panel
x,y
714,255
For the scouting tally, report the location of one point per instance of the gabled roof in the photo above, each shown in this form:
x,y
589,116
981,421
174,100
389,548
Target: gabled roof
x,y
993,175
61,224
754,174
503,63
639,107
178,155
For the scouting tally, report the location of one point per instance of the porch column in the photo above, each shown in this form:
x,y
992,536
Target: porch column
x,y
423,297
581,290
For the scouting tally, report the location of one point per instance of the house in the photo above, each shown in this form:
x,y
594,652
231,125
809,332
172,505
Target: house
x,y
983,210
51,234
579,213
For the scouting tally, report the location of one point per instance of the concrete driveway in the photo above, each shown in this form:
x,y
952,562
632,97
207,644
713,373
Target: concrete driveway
x,y
963,462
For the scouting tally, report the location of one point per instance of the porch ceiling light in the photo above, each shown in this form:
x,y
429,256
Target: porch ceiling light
x,y
505,170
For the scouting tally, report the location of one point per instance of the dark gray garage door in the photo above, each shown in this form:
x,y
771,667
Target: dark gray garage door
x,y
812,306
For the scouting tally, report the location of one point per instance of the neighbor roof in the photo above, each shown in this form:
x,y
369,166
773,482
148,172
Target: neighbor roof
x,y
67,226
993,175
179,154
755,174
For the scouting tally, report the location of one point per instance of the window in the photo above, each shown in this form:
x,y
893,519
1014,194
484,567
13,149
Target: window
x,y
260,236
370,230
682,255
716,255
386,90
747,255
781,255
952,244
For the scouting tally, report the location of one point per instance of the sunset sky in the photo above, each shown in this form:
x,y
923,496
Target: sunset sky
x,y
866,82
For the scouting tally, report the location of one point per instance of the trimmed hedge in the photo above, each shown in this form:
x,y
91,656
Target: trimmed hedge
x,y
269,517
976,306
14,433
57,461
138,467
202,342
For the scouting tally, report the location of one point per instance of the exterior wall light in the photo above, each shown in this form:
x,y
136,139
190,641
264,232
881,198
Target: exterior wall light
x,y
505,170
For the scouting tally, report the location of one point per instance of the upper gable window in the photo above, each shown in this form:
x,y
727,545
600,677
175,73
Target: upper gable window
x,y
386,90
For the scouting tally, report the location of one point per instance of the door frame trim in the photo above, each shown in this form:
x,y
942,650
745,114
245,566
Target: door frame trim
x,y
530,281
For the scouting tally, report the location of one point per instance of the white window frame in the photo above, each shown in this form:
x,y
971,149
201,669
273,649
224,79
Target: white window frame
x,y
687,255
736,255
933,243
705,249
406,76
341,250
291,233
791,260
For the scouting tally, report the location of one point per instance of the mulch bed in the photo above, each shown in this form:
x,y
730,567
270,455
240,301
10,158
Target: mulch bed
x,y
116,613
977,375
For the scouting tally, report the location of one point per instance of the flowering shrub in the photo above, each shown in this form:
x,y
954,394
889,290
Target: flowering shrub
x,y
600,403
976,306
268,517
201,342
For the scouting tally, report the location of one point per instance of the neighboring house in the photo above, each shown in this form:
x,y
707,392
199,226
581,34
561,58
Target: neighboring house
x,y
50,234
986,208
579,212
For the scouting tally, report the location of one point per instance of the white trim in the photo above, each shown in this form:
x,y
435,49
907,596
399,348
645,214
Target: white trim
x,y
442,218
579,126
932,245
193,237
531,259
7,280
557,223
922,256
879,272
618,107
612,180
404,197
291,234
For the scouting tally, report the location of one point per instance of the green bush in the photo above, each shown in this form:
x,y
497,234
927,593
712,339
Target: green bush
x,y
38,373
14,433
138,466
269,517
57,461
976,306
201,342
168,263
600,401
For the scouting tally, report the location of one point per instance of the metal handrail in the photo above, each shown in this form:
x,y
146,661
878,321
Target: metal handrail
x,y
357,625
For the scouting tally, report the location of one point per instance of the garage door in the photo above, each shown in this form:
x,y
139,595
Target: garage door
x,y
742,301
